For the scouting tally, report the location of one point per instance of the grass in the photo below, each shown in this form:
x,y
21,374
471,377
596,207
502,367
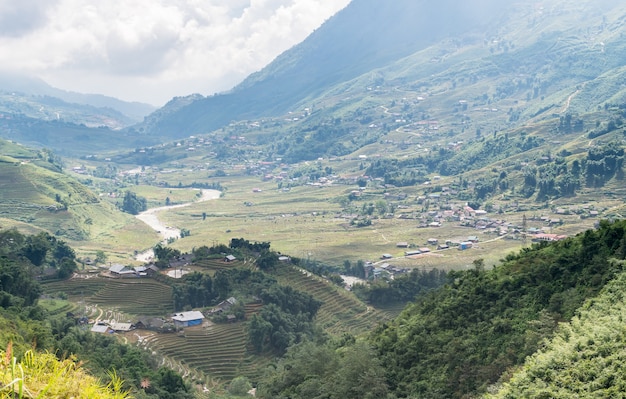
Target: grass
x,y
39,375
57,306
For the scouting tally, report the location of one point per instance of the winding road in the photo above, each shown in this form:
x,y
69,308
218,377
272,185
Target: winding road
x,y
150,217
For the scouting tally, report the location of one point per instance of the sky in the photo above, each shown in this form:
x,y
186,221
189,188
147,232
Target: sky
x,y
152,50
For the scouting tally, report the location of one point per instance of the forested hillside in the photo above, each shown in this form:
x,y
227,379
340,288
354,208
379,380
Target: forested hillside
x,y
457,341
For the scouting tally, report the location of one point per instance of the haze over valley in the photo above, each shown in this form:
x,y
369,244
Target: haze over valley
x,y
429,197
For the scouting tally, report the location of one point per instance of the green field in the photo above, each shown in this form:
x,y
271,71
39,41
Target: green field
x,y
140,297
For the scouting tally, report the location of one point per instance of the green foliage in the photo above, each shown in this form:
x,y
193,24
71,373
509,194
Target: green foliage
x,y
603,163
164,254
401,289
195,290
239,386
285,319
457,340
104,354
585,358
39,375
311,371
133,204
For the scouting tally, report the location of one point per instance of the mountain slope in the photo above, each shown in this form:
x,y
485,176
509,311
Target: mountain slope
x,y
583,359
34,190
20,85
365,35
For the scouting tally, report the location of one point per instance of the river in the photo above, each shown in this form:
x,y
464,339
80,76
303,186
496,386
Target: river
x,y
150,217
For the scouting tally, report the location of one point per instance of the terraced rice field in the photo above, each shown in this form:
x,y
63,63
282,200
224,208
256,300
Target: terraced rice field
x,y
341,312
218,351
137,296
219,264
75,288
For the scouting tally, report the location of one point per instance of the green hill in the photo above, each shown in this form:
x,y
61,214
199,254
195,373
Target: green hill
x,y
35,193
585,358
459,340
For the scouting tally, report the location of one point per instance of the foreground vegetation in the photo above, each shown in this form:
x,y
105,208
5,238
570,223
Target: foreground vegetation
x,y
28,327
459,340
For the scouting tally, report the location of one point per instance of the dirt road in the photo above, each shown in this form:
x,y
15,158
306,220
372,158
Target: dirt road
x,y
151,218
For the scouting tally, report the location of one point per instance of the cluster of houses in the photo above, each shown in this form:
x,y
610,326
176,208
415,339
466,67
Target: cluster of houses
x,y
177,321
118,270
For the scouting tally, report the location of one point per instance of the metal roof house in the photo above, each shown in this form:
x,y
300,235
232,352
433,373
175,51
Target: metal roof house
x,y
121,270
188,319
101,329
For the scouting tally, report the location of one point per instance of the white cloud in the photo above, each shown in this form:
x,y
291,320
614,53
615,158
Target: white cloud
x,y
151,50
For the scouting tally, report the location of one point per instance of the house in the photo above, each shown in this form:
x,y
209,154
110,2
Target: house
x,y
121,327
411,253
101,329
465,245
432,241
425,250
386,256
188,319
402,245
229,258
548,237
224,305
121,270
147,322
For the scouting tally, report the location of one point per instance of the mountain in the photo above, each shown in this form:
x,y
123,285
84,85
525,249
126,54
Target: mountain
x,y
364,36
29,89
37,114
505,48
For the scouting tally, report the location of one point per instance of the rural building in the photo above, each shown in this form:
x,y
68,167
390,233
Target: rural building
x,y
224,305
101,329
432,241
411,253
402,245
465,245
121,327
121,270
548,237
188,319
147,323
230,258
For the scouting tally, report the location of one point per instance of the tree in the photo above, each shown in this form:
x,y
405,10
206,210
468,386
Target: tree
x,y
239,386
36,248
66,268
133,203
100,257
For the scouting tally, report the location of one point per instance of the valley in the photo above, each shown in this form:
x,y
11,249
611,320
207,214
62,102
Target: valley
x,y
467,174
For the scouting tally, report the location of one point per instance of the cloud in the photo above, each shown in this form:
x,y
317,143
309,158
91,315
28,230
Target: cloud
x,y
20,17
151,50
